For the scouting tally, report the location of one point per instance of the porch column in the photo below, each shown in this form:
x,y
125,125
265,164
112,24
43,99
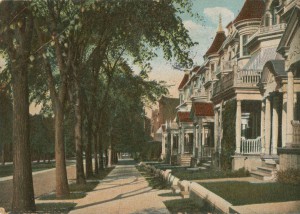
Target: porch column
x,y
275,126
267,126
262,127
238,127
290,108
171,147
220,131
216,129
194,141
163,152
283,124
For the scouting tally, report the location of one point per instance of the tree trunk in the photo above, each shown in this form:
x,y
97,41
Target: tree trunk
x,y
106,158
23,194
88,152
3,155
101,161
80,179
96,169
62,188
109,164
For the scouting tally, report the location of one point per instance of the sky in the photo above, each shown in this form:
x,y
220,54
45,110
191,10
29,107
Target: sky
x,y
201,31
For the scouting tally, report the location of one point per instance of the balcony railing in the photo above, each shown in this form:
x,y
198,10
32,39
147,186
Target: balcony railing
x,y
251,146
272,28
296,133
242,78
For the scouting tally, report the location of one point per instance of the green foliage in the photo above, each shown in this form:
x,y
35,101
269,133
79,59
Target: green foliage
x,y
289,176
228,140
150,151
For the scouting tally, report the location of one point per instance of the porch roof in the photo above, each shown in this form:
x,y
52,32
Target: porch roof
x,y
203,109
259,59
184,117
277,66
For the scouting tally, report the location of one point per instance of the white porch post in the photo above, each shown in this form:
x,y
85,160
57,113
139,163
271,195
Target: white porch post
x,y
262,126
267,126
163,146
171,146
194,140
238,127
275,126
216,128
220,128
290,108
283,124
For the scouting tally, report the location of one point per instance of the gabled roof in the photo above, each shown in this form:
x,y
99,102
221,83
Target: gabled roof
x,y
184,81
184,117
203,109
252,9
196,68
217,43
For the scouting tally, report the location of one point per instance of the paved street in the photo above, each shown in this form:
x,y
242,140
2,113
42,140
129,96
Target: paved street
x,y
124,190
43,181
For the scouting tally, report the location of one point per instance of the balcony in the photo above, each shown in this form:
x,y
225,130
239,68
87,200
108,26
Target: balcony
x,y
272,28
242,78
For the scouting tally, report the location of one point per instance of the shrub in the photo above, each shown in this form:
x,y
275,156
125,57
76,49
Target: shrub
x,y
289,176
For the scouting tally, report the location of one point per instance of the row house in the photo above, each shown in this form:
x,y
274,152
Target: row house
x,y
255,67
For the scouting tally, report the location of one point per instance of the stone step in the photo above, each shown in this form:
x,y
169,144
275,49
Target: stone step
x,y
267,170
185,194
206,164
261,175
269,164
175,189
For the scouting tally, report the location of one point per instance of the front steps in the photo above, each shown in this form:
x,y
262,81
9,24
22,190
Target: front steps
x,y
184,159
266,172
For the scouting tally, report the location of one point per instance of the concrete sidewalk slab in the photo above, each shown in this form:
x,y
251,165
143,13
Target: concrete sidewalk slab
x,y
124,190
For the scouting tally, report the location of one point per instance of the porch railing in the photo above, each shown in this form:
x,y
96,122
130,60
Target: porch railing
x,y
242,78
251,146
296,133
248,77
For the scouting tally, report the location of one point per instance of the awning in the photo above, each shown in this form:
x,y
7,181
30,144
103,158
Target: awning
x,y
259,59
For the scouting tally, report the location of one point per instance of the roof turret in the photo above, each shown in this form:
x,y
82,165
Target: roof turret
x,y
252,9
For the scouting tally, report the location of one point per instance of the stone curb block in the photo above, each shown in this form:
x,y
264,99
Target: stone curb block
x,y
199,192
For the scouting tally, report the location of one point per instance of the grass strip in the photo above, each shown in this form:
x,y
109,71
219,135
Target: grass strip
x,y
89,186
241,193
187,206
54,207
72,196
155,182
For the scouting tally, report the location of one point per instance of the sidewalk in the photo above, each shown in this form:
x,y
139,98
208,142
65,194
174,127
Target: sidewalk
x,y
124,190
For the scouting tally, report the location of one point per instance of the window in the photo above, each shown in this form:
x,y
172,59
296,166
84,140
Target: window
x,y
245,48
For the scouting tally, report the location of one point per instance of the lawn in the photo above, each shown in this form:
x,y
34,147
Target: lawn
x,y
54,207
7,170
184,174
241,193
153,181
187,206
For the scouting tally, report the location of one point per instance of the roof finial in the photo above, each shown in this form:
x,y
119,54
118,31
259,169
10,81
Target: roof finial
x,y
220,28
